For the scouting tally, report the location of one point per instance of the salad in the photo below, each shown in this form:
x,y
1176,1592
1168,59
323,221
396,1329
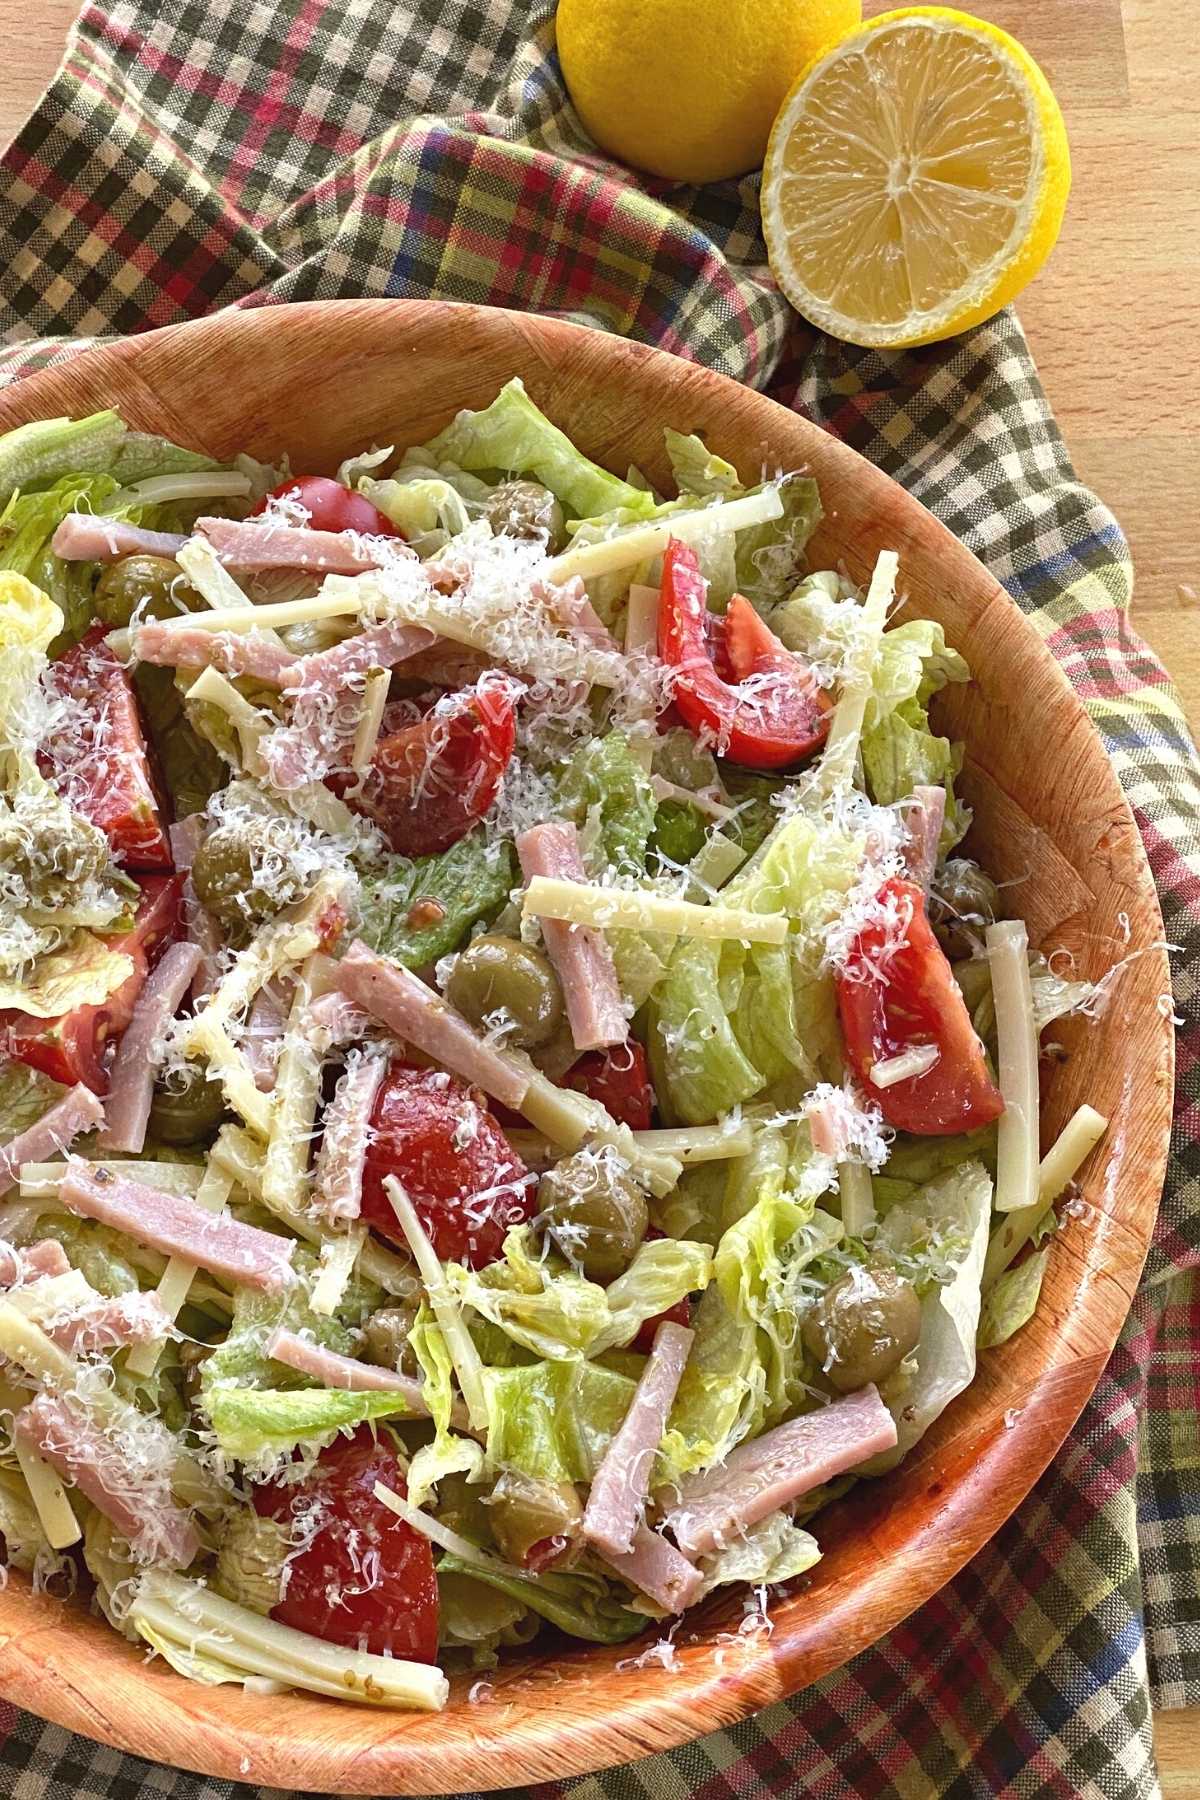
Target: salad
x,y
513,1095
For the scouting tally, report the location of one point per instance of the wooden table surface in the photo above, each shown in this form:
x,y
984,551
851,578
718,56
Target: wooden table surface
x,y
1114,322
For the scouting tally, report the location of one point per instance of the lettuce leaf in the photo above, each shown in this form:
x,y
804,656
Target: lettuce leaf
x,y
83,973
722,1396
664,1272
257,1426
448,1454
515,438
554,1420
426,508
946,1225
1013,1300
141,455
697,469
34,455
774,1550
241,1358
470,882
899,750
697,1063
768,557
25,1094
605,786
578,1602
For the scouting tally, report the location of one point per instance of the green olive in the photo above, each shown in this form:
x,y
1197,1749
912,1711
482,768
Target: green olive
x,y
385,1339
501,974
186,1115
227,874
155,584
595,1212
863,1327
526,1511
54,852
963,902
526,509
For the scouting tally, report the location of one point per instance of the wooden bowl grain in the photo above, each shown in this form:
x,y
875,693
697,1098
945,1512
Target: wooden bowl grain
x,y
319,380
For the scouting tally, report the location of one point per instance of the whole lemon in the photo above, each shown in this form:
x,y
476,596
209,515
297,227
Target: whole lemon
x,y
689,89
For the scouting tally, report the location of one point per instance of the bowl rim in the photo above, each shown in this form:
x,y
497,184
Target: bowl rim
x,y
170,1716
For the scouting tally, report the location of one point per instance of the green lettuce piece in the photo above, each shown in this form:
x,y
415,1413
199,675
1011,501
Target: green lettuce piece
x,y
28,523
513,436
25,1094
768,557
680,831
426,508
696,468
722,1396
664,1272
578,1602
141,455
259,1425
699,1068
1013,1300
554,1420
545,1307
470,882
97,1251
241,1358
448,1454
946,1226
34,455
899,750
474,1616
774,1550
604,785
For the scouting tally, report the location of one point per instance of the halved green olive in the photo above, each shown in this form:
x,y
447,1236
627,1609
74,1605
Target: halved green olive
x,y
525,1511
525,509
186,1115
964,901
863,1327
153,584
497,974
594,1210
227,874
385,1339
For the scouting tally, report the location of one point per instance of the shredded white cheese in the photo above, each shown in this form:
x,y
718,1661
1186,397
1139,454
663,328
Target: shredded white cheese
x,y
339,1256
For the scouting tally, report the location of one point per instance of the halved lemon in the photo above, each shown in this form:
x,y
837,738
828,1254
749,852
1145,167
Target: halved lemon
x,y
915,180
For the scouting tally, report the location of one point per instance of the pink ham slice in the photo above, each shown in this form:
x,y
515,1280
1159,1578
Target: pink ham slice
x,y
324,689
447,664
85,537
617,1499
760,1476
658,1569
337,1018
103,1324
581,955
231,653
186,837
139,1503
924,816
337,1196
176,1226
203,932
264,1036
46,1257
79,1110
419,1016
335,1371
142,1048
264,544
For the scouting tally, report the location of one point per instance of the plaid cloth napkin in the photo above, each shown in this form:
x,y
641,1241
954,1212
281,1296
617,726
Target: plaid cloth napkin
x,y
191,156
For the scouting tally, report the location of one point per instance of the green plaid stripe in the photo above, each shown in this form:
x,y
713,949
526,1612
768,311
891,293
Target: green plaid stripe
x,y
241,153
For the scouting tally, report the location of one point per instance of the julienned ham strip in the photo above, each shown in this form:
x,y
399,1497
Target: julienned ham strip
x,y
335,1371
419,1016
46,1257
659,1570
142,1048
79,1110
764,1474
133,1494
314,740
339,1175
619,1488
176,1226
261,544
924,816
231,653
101,1325
581,956
89,537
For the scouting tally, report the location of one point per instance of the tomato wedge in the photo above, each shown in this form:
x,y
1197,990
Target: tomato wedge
x,y
99,761
72,1047
430,782
331,506
773,713
897,993
362,1578
465,1180
619,1079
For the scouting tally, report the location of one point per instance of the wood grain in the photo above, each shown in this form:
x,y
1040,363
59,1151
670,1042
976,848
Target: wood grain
x,y
321,379
1113,322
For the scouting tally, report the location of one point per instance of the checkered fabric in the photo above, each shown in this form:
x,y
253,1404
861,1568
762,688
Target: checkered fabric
x,y
192,156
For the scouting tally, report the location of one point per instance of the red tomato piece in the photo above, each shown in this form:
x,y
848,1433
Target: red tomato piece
x,y
73,1046
331,506
429,783
896,993
774,713
100,761
619,1078
362,1577
466,1182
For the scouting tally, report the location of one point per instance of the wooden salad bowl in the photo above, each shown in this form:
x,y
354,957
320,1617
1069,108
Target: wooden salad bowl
x,y
321,380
